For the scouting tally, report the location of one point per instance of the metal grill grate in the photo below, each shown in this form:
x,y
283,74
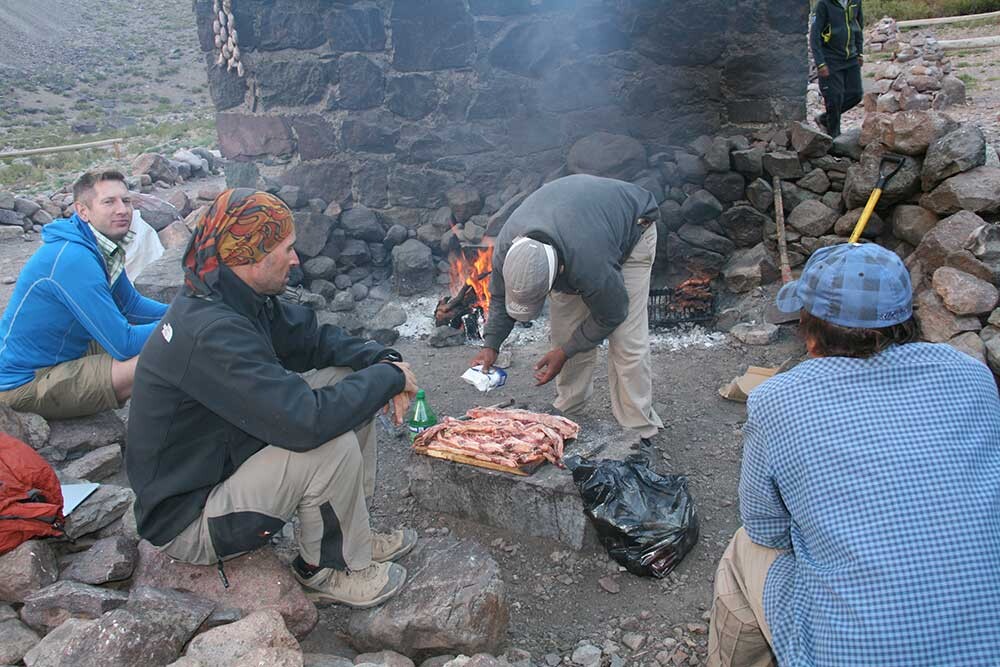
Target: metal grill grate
x,y
666,310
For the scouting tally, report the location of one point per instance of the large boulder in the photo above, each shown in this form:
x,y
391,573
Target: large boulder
x,y
862,177
974,190
27,568
744,225
812,218
963,293
155,211
937,323
807,141
46,609
846,223
948,236
700,207
605,154
230,644
910,223
110,559
464,202
101,508
157,166
727,186
962,149
783,164
412,267
69,438
163,279
257,580
361,222
455,602
16,638
95,465
701,237
911,132
312,231
748,268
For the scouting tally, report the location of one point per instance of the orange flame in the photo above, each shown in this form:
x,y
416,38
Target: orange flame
x,y
472,267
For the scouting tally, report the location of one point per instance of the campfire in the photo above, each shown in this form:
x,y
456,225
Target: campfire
x,y
469,302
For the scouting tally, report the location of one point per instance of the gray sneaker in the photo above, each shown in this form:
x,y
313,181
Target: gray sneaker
x,y
394,545
360,589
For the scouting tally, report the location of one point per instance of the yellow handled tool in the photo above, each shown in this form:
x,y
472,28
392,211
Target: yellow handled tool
x,y
883,178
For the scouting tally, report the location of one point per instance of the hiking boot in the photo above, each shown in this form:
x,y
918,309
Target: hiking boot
x,y
360,589
394,545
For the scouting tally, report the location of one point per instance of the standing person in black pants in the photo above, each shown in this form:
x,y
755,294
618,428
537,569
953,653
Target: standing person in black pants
x,y
836,36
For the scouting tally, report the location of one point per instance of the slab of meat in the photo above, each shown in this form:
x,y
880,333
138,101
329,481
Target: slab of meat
x,y
510,438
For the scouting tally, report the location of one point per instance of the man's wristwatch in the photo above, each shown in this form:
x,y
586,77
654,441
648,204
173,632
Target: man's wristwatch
x,y
389,355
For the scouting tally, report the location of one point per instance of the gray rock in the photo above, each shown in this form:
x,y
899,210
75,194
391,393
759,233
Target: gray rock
x,y
990,337
362,82
324,288
716,155
362,223
700,237
412,267
761,195
14,219
605,154
395,236
846,223
162,279
670,215
861,179
47,608
910,223
726,186
749,162
744,225
74,437
386,658
948,236
651,181
586,655
700,207
42,217
37,429
101,508
792,195
293,196
312,230
960,150
229,644
812,218
313,301
446,336
110,559
937,323
807,141
343,281
464,202
455,602
320,267
913,131
343,302
974,190
6,201
16,638
749,268
257,580
815,181
783,164
322,660
965,261
964,294
51,651
419,42
971,344
359,291
29,567
691,168
11,424
96,465
755,334
389,316
354,253
157,166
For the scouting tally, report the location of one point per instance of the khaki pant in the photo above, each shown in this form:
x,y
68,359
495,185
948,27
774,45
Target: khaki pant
x,y
738,634
74,388
325,488
629,361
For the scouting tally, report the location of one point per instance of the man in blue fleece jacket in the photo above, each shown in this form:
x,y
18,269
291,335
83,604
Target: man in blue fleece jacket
x,y
73,329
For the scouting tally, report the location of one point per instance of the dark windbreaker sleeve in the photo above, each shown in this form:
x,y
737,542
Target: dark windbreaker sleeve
x,y
859,36
816,25
499,324
234,373
302,344
608,305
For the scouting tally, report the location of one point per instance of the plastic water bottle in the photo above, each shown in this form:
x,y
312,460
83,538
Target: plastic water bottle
x,y
421,416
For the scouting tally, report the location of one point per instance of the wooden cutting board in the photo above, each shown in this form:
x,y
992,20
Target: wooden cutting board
x,y
523,470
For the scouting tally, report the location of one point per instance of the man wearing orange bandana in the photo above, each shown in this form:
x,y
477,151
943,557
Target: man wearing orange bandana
x,y
228,442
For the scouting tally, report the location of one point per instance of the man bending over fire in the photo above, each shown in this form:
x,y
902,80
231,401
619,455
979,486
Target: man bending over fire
x,y
227,442
591,242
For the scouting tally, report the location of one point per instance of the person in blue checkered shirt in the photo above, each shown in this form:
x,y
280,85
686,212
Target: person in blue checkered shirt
x,y
870,489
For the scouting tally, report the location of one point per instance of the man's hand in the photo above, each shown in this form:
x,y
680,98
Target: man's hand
x,y
487,357
861,59
823,71
549,366
400,403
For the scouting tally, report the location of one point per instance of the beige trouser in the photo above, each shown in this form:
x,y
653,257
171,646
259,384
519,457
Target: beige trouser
x,y
325,488
738,634
74,388
629,361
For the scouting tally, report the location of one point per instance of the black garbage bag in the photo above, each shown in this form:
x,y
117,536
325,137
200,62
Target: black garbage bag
x,y
645,520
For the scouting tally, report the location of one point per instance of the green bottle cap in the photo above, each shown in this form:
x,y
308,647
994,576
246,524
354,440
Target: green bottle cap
x,y
420,394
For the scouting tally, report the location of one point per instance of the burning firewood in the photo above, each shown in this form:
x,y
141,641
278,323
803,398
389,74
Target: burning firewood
x,y
468,305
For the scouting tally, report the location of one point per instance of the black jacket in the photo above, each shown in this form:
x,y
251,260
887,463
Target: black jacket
x,y
836,33
218,380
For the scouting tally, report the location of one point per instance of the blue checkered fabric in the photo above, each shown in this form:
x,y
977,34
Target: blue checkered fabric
x,y
853,285
881,479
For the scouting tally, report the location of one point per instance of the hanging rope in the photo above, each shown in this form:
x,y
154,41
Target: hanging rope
x,y
224,27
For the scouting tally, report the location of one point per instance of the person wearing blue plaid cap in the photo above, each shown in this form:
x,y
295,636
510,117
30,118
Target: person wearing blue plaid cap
x,y
869,492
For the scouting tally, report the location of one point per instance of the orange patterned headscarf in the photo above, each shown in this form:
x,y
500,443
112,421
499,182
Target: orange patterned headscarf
x,y
240,227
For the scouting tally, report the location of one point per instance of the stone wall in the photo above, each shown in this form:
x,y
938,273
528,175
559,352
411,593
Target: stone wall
x,y
389,103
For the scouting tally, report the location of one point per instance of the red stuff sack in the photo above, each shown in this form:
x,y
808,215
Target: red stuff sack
x,y
30,496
